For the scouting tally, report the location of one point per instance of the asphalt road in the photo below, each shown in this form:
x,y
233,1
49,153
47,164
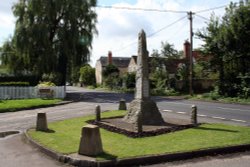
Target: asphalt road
x,y
219,112
16,152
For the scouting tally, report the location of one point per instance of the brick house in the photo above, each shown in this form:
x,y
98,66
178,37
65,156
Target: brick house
x,y
128,64
120,62
171,65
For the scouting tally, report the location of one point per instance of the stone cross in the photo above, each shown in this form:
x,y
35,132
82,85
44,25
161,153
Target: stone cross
x,y
142,79
142,110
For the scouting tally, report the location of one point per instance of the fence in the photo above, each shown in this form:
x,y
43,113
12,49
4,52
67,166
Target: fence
x,y
11,92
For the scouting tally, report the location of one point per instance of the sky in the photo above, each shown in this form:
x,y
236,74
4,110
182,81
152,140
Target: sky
x,y
118,29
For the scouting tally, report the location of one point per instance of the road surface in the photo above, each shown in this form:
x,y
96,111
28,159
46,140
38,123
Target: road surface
x,y
14,151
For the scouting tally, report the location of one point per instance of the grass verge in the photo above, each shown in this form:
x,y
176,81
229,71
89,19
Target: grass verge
x,y
67,137
15,105
220,99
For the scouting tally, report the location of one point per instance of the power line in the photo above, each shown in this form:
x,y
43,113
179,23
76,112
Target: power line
x,y
152,34
126,46
202,17
156,32
207,10
178,31
157,10
141,9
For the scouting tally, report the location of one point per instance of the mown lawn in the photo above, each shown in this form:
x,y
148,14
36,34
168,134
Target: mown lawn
x,y
67,137
15,105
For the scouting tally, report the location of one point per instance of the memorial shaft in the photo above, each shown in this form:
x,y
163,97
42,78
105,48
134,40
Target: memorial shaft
x,y
142,110
142,78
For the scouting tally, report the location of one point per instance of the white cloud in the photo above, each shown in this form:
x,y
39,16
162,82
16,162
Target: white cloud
x,y
7,20
118,29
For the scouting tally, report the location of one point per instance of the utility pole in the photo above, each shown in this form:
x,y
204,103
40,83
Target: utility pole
x,y
190,17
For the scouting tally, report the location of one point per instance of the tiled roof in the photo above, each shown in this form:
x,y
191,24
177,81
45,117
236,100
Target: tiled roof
x,y
121,62
170,64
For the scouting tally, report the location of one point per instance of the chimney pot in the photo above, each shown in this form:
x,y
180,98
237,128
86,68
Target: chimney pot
x,y
110,57
187,49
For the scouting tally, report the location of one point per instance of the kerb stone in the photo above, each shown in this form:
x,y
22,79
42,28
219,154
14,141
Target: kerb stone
x,y
90,143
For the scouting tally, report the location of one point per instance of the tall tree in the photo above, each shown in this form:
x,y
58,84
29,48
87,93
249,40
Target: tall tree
x,y
212,37
228,41
168,51
11,59
87,75
54,35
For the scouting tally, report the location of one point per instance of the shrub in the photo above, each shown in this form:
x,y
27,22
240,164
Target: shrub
x,y
111,77
87,75
53,77
31,79
46,84
14,83
129,80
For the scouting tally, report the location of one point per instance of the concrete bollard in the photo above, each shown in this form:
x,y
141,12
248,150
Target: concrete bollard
x,y
97,113
41,122
90,143
194,115
122,105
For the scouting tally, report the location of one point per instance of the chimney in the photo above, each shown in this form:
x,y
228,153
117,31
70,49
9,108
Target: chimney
x,y
109,57
186,50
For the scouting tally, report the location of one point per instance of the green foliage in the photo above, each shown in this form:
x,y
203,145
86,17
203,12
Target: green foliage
x,y
227,40
67,133
201,70
32,80
91,87
87,75
182,72
53,77
129,80
46,84
16,105
110,69
12,60
159,79
213,95
14,83
53,36
168,51
111,77
244,87
164,92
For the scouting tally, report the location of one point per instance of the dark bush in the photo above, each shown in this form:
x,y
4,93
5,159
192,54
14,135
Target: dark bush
x,y
32,80
14,83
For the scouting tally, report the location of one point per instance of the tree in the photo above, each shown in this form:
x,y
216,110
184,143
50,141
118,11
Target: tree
x,y
155,61
111,76
129,80
11,59
87,75
54,35
168,51
228,41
